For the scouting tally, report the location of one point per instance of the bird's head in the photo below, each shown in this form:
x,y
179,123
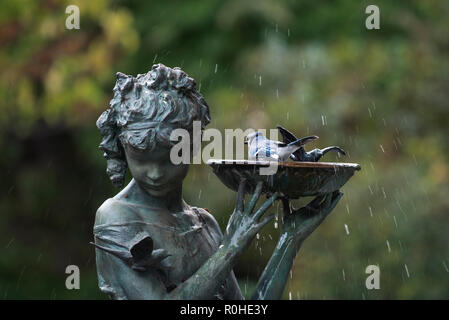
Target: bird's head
x,y
252,136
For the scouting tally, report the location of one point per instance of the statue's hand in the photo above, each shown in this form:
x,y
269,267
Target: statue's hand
x,y
299,224
244,224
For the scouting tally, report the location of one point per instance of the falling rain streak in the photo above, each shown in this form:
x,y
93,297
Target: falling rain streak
x,y
406,270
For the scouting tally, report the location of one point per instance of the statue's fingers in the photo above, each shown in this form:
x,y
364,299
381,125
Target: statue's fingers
x,y
286,208
315,203
264,207
336,196
326,202
264,222
239,202
329,202
255,197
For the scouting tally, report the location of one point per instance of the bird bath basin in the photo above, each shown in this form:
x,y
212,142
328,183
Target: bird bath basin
x,y
292,179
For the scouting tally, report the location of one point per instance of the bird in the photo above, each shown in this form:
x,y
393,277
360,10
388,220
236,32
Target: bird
x,y
140,255
261,147
301,154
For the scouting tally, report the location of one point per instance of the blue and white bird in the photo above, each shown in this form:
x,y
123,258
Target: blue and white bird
x,y
259,147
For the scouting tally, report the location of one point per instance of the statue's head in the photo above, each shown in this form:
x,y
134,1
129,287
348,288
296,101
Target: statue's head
x,y
137,126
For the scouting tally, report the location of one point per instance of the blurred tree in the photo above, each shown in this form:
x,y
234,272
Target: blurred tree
x,y
312,67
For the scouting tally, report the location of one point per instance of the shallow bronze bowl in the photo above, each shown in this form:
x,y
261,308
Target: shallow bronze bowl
x,y
291,179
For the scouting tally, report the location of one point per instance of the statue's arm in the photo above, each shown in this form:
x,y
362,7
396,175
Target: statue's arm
x,y
241,229
232,289
296,227
207,280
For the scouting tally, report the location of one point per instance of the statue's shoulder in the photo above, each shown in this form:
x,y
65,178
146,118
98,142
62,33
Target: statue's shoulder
x,y
115,211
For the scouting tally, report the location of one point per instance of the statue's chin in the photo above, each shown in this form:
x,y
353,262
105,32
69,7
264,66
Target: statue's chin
x,y
157,192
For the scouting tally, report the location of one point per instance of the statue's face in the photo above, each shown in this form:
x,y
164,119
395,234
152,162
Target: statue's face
x,y
153,170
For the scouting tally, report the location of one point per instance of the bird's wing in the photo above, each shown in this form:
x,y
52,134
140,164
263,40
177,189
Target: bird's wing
x,y
303,141
266,152
284,153
123,254
287,136
278,143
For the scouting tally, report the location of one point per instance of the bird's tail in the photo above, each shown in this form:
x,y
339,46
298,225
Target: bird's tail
x,y
303,141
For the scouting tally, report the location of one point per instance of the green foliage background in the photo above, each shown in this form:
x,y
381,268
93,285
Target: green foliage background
x,y
311,66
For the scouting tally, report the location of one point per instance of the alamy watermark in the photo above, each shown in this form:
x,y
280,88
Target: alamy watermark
x,y
373,280
73,20
187,143
373,20
73,280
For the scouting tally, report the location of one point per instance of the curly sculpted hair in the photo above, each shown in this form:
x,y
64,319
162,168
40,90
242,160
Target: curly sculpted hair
x,y
144,111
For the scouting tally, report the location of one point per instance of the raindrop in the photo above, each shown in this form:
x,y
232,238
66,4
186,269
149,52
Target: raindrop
x,y
370,211
395,222
9,243
260,80
216,68
395,145
406,270
323,120
445,266
347,229
344,276
382,148
388,246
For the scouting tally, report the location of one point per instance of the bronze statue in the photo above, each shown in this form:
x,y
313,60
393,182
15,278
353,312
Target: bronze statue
x,y
150,244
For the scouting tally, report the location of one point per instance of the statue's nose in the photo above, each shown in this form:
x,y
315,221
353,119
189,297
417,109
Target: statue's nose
x,y
155,173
